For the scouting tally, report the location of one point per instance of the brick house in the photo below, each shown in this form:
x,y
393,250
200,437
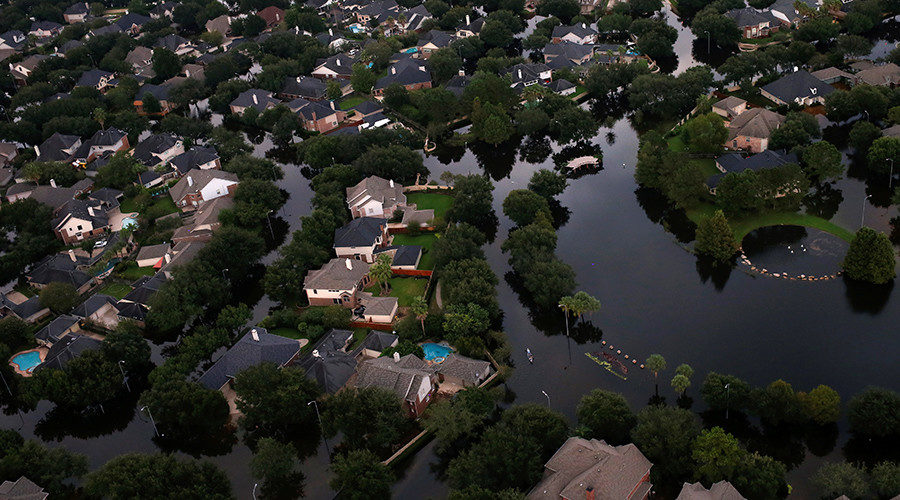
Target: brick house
x,y
338,282
199,186
360,238
751,130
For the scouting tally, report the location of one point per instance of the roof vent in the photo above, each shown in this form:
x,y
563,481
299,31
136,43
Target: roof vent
x,y
391,182
316,354
255,99
813,90
190,180
255,335
337,61
396,357
348,264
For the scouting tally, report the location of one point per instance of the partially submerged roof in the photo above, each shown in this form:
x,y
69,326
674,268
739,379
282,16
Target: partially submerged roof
x,y
256,347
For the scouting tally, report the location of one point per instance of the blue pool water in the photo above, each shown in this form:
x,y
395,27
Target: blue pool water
x,y
128,222
435,352
27,361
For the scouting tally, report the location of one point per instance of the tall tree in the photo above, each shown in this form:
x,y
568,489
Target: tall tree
x,y
870,257
715,238
606,415
360,475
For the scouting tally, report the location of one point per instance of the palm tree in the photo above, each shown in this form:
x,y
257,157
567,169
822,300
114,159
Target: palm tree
x,y
381,272
680,383
420,308
99,115
567,304
656,363
585,303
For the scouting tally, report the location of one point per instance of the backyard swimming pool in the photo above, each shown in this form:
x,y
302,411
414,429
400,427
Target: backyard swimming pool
x,y
129,222
26,361
435,352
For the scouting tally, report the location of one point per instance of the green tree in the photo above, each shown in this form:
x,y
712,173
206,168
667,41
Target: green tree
x,y
122,170
547,183
166,63
419,308
458,242
665,435
444,64
821,405
186,411
836,479
655,363
798,129
273,401
572,124
881,152
606,415
126,345
721,392
362,79
370,418
715,238
886,479
717,455
680,383
462,417
391,162
360,475
333,90
88,380
490,122
821,160
722,31
275,464
862,135
381,272
136,475
473,202
522,206
15,333
870,257
777,403
52,468
150,104
686,186
875,413
564,10
706,133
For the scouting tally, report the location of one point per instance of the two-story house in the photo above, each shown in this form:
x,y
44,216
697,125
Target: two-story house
x,y
360,238
199,186
338,282
375,197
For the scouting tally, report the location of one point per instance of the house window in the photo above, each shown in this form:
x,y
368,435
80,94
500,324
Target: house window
x,y
336,301
79,227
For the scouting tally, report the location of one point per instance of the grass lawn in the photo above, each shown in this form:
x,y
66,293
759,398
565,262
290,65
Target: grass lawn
x,y
133,273
114,289
359,334
351,101
707,166
423,240
291,333
159,207
741,227
405,289
437,201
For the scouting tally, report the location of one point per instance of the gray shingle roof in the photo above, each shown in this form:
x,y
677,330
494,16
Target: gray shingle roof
x,y
194,157
93,304
147,151
56,329
255,98
58,267
735,162
22,489
580,30
92,77
247,352
755,122
363,231
304,86
402,377
337,274
328,363
796,85
66,349
404,72
387,192
200,179
746,17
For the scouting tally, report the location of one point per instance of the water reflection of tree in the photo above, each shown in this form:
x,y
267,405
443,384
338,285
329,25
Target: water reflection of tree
x,y
552,322
446,153
497,161
823,201
535,149
661,211
715,272
560,214
716,55
866,297
212,445
59,423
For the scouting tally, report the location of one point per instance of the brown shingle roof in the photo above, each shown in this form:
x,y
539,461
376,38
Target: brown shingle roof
x,y
756,122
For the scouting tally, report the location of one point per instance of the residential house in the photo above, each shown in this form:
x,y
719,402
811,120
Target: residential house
x,y
562,87
607,53
378,10
22,489
892,131
372,309
57,330
256,347
581,34
13,40
316,116
109,29
57,147
457,84
462,371
96,78
23,69
751,22
132,23
160,92
526,74
66,47
77,12
203,222
27,309
78,220
736,163
832,75
586,6
332,40
201,157
163,9
470,28
336,66
222,24
100,310
273,16
798,87
567,54
195,71
179,255
65,350
8,152
110,140
179,45
19,191
200,186
45,29
432,41
360,238
337,282
785,11
751,129
886,75
406,376
158,149
374,344
151,255
375,197
328,362
402,256
723,490
729,107
408,73
141,59
306,87
416,17
583,468
260,100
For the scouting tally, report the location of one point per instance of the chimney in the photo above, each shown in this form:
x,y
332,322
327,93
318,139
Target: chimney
x,y
168,258
330,32
393,70
299,79
583,26
391,182
316,354
589,493
91,211
520,74
255,99
462,72
190,181
255,335
337,61
37,151
467,20
52,183
348,264
332,104
72,255
396,357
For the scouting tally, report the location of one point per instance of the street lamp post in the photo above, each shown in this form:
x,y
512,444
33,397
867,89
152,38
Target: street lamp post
x,y
548,397
708,36
124,377
862,219
727,390
254,490
322,429
891,176
19,411
566,313
269,220
152,421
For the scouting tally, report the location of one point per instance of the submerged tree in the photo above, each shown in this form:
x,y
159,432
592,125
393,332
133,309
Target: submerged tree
x,y
870,257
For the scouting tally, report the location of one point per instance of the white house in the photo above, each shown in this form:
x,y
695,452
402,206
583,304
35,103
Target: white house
x,y
359,238
199,186
375,197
